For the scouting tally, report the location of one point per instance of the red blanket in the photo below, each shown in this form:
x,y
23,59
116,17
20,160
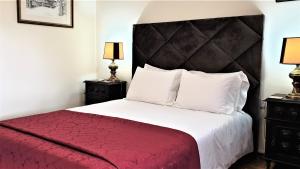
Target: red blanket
x,y
72,140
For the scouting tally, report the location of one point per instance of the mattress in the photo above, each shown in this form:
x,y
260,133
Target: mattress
x,y
222,139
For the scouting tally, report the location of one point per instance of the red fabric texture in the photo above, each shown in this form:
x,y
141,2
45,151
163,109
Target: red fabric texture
x,y
72,140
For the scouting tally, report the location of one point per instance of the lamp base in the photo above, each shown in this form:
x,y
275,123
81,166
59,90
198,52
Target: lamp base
x,y
113,71
295,75
294,96
112,79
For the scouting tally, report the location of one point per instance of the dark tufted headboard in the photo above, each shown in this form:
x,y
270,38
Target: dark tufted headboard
x,y
211,45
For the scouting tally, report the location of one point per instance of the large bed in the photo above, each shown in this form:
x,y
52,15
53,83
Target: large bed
x,y
216,135
132,134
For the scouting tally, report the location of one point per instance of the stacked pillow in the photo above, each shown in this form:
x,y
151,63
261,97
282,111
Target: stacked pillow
x,y
243,90
218,93
195,90
152,86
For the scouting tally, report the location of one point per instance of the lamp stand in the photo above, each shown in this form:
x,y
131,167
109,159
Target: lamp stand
x,y
295,75
113,70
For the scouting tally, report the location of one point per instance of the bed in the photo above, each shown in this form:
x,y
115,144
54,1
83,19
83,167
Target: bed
x,y
216,135
131,134
232,44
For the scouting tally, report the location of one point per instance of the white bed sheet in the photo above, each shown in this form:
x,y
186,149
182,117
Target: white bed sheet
x,y
222,139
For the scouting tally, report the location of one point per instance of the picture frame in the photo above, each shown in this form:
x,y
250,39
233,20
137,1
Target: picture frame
x,y
58,13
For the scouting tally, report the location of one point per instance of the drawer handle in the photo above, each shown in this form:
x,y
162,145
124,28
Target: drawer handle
x,y
294,114
298,148
97,90
278,109
286,133
285,146
298,135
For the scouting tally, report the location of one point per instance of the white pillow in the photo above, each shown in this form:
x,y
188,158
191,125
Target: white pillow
x,y
156,87
150,67
176,82
147,66
208,92
242,97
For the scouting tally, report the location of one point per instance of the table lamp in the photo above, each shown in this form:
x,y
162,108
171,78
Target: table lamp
x,y
290,54
112,51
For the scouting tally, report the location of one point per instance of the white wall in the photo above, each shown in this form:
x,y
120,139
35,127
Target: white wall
x,y
282,20
115,19
114,23
42,68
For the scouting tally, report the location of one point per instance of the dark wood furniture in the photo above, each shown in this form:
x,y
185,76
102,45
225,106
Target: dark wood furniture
x,y
283,131
101,91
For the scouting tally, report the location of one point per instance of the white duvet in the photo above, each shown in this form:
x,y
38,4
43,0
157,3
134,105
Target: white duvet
x,y
222,139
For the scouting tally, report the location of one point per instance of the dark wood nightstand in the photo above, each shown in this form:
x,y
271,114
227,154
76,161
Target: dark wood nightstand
x,y
101,91
283,131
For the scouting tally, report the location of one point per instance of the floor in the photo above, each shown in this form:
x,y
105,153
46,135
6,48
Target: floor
x,y
257,163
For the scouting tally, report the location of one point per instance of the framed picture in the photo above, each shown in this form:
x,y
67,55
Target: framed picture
x,y
46,12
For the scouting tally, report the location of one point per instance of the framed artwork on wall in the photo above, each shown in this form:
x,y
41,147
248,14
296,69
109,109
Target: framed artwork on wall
x,y
57,13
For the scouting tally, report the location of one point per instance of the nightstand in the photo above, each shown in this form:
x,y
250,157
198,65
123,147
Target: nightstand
x,y
101,91
283,131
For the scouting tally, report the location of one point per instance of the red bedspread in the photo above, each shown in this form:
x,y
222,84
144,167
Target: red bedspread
x,y
72,140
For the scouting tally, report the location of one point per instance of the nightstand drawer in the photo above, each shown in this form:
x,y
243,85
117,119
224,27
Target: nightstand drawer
x,y
283,130
279,111
97,89
92,98
100,91
283,142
